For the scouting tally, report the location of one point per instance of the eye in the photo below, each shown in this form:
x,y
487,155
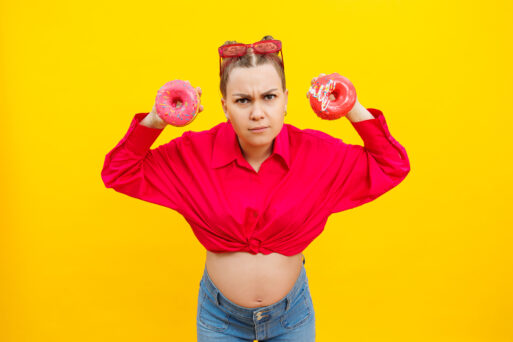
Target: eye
x,y
265,96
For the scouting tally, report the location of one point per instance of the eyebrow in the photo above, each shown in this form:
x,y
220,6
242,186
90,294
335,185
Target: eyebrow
x,y
241,94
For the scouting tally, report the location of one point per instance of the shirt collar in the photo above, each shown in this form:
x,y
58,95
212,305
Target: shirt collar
x,y
226,146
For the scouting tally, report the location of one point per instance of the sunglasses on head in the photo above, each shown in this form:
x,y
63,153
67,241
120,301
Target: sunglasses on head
x,y
259,48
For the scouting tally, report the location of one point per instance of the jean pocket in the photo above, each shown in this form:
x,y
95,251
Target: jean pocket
x,y
211,316
298,313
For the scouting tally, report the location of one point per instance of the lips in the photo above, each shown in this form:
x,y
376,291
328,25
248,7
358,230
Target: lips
x,y
256,128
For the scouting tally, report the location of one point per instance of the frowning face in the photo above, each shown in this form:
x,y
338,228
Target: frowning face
x,y
255,99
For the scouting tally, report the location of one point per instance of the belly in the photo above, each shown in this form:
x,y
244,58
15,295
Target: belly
x,y
253,280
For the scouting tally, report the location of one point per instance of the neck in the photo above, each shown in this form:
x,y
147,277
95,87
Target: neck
x,y
256,153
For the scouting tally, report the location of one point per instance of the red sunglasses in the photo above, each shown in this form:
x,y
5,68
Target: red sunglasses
x,y
260,47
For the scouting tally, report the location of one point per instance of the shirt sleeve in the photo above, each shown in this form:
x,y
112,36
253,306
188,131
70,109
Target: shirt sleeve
x,y
132,168
366,172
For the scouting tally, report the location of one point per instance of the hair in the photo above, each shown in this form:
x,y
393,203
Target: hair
x,y
247,61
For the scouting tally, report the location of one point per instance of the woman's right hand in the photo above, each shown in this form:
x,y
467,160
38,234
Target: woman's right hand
x,y
161,123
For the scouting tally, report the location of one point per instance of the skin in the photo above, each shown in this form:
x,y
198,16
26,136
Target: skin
x,y
255,98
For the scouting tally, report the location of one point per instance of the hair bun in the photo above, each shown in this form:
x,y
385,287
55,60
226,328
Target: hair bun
x,y
228,42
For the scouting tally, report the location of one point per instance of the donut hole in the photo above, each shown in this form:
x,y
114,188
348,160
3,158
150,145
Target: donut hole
x,y
334,95
176,102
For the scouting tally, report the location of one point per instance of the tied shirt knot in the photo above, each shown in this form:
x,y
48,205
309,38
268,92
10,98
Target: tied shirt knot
x,y
254,245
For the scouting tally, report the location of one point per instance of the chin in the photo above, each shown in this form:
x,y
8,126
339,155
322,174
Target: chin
x,y
260,140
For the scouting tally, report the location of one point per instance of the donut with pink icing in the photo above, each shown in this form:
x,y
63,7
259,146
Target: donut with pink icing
x,y
342,90
177,103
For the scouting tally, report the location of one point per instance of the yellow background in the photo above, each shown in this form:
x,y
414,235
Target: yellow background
x,y
430,260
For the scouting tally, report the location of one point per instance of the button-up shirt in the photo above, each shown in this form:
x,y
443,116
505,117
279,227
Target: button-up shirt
x,y
281,208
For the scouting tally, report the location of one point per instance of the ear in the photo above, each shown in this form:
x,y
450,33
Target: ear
x,y
225,110
286,98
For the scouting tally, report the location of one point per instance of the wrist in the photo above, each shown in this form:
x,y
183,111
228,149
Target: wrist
x,y
359,113
153,121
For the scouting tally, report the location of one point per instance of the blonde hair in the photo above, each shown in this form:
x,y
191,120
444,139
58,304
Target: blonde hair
x,y
247,61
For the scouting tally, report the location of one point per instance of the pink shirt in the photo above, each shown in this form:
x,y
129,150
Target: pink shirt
x,y
281,208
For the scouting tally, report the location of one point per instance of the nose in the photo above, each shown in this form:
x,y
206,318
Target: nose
x,y
257,111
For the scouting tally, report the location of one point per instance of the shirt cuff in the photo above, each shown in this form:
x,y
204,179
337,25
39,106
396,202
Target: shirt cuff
x,y
139,138
374,132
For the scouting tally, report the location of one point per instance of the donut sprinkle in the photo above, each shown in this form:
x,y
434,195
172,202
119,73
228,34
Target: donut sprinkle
x,y
321,92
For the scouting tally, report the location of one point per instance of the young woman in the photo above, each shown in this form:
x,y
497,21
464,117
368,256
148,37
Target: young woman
x,y
256,192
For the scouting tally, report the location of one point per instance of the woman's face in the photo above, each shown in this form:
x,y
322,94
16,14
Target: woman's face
x,y
254,98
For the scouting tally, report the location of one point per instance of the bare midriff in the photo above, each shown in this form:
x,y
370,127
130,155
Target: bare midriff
x,y
253,280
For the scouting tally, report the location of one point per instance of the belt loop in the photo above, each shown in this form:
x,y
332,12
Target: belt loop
x,y
217,298
287,304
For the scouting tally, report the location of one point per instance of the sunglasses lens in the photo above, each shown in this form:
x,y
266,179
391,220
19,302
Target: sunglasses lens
x,y
232,51
266,47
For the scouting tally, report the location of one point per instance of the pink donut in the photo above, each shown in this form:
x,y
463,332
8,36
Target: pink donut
x,y
342,90
167,107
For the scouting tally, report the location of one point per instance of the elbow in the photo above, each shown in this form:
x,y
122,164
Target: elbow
x,y
106,172
107,179
403,165
397,171
402,170
405,169
406,166
109,175
400,174
397,176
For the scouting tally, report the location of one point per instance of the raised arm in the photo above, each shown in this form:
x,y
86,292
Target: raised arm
x,y
366,172
132,168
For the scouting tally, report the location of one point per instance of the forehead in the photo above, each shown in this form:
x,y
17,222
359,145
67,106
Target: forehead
x,y
253,80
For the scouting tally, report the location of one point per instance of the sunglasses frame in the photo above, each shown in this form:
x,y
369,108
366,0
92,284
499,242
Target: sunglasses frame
x,y
255,45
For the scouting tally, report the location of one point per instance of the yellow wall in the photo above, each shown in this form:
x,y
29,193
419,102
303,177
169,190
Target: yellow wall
x,y
430,260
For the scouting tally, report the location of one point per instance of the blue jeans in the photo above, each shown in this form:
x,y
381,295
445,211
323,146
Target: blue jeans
x,y
290,319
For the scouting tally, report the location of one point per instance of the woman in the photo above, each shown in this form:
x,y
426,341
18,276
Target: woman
x,y
256,193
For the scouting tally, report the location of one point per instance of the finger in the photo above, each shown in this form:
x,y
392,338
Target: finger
x,y
320,75
315,78
201,108
199,90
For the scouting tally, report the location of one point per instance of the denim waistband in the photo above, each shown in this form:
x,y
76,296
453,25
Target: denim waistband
x,y
273,310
